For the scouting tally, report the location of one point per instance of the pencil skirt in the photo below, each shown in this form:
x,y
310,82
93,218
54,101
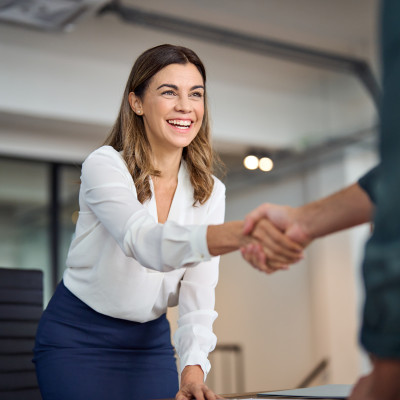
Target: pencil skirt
x,y
81,354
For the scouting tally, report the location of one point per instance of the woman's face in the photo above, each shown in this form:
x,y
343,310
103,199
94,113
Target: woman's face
x,y
172,107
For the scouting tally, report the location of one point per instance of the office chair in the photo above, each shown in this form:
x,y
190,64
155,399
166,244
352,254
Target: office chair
x,y
21,305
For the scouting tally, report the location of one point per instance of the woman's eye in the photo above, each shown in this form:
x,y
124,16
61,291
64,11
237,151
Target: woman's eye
x,y
169,93
197,94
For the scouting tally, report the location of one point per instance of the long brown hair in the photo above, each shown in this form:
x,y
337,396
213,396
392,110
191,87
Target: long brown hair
x,y
128,133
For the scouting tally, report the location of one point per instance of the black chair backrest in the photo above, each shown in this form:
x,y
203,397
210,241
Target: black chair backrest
x,y
21,306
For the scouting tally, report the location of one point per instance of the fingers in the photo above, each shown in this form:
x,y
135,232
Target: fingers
x,y
269,229
209,394
280,239
277,246
253,217
196,391
254,255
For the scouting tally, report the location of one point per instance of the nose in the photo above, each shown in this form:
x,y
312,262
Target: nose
x,y
183,104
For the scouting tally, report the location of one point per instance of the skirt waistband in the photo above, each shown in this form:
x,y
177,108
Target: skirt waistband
x,y
69,322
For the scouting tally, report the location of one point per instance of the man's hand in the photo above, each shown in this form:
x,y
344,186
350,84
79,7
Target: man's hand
x,y
286,219
278,254
383,383
269,248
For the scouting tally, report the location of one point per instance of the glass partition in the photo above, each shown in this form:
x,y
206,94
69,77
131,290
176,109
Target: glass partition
x,y
26,220
69,183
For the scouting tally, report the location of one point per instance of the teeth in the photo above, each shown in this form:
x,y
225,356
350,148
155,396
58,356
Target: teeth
x,y
178,122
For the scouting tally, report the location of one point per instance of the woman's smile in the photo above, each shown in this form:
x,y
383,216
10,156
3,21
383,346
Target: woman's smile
x,y
180,125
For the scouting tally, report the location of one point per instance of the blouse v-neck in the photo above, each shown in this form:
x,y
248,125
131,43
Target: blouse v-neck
x,y
175,199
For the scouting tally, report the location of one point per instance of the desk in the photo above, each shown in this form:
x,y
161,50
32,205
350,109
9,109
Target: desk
x,y
253,395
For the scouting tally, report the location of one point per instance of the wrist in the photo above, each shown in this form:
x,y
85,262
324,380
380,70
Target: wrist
x,y
192,374
305,217
222,239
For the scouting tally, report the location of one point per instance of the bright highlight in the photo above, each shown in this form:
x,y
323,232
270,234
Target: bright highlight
x,y
265,164
251,162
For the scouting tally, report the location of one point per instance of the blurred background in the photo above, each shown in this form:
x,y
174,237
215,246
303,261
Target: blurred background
x,y
294,81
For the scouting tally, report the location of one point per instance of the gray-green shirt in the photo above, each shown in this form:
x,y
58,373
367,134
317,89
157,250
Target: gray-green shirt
x,y
380,332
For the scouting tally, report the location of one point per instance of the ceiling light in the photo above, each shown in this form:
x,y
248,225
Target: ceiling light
x,y
265,164
251,162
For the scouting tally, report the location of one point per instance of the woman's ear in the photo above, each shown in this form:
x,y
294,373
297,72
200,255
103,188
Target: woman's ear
x,y
135,103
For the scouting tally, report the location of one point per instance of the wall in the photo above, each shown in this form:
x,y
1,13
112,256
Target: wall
x,y
269,315
288,322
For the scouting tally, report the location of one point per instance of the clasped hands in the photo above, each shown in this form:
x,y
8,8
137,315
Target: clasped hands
x,y
273,238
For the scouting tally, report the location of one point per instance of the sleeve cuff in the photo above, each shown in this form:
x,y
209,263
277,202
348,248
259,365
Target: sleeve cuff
x,y
198,241
196,358
193,343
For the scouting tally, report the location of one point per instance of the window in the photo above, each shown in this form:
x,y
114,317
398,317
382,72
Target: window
x,y
38,204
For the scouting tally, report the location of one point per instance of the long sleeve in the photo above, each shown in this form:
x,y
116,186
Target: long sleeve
x,y
381,325
121,262
194,338
109,192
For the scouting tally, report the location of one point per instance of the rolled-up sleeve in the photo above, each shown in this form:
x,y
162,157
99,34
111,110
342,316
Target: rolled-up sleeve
x,y
369,182
194,339
108,191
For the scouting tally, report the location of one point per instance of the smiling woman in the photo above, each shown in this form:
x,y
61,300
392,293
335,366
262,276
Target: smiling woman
x,y
150,225
129,132
172,108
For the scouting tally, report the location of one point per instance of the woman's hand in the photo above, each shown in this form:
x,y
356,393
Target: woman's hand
x,y
198,391
282,238
193,387
270,249
263,244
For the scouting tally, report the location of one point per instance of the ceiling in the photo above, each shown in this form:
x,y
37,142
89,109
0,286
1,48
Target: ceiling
x,y
49,15
338,26
305,70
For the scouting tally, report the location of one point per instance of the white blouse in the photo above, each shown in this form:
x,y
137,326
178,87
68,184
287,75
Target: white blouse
x,y
124,264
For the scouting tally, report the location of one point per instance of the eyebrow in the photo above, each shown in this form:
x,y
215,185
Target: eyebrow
x,y
176,87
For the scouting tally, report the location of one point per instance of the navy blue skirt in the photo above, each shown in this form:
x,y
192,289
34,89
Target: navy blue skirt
x,y
82,354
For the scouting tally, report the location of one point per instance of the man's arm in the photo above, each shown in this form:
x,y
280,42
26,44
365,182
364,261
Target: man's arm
x,y
344,209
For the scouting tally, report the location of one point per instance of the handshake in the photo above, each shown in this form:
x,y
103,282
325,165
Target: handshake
x,y
274,237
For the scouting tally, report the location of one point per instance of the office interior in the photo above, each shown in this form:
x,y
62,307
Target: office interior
x,y
295,81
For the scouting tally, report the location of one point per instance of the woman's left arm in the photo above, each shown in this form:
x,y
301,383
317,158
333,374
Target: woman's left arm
x,y
194,338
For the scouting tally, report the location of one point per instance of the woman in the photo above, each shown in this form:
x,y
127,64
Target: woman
x,y
151,218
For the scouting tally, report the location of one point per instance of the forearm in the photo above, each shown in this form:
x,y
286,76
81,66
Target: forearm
x,y
344,209
224,238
